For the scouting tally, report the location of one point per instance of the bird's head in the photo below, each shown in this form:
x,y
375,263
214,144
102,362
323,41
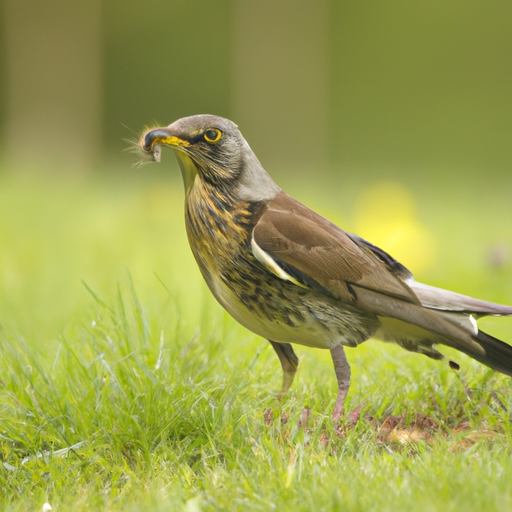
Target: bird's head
x,y
212,149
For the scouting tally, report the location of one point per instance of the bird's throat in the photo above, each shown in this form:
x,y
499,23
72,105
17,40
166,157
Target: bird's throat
x,y
188,169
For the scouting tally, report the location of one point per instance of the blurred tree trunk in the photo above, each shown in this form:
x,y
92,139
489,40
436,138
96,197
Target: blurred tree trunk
x,y
280,79
53,85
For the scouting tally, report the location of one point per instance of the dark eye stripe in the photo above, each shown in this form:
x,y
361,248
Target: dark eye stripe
x,y
196,138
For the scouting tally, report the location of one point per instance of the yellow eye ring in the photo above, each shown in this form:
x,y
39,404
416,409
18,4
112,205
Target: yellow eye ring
x,y
212,135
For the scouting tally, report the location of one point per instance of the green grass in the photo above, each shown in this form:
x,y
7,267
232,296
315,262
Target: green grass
x,y
135,391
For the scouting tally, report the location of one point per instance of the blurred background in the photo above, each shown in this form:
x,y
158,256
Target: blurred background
x,y
331,82
394,119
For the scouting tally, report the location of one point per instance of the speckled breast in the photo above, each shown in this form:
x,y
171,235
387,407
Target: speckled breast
x,y
219,231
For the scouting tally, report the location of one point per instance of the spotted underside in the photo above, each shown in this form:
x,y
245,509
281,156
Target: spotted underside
x,y
219,230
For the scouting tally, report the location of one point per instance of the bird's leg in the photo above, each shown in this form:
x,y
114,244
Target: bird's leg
x,y
289,363
342,370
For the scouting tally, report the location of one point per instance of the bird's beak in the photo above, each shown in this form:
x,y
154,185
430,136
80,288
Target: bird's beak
x,y
152,140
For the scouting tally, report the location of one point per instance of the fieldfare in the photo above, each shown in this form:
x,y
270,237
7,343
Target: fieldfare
x,y
288,274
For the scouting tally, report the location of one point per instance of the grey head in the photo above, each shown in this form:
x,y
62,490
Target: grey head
x,y
212,149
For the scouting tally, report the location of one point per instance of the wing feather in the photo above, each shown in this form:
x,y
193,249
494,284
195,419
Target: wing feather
x,y
295,236
301,246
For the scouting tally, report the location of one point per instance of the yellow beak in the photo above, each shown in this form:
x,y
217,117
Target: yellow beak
x,y
152,139
151,142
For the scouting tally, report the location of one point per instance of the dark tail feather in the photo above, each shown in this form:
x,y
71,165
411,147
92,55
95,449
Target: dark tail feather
x,y
498,355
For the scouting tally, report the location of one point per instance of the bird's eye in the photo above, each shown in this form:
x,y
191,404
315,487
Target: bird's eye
x,y
212,135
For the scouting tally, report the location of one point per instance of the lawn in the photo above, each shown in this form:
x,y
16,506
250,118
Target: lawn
x,y
124,386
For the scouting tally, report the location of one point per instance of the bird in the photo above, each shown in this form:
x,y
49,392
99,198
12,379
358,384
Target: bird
x,y
293,277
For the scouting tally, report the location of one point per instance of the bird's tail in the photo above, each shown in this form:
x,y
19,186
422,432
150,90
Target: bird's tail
x,y
447,327
498,355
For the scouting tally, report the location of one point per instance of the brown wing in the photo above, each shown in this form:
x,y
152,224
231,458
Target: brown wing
x,y
318,251
297,244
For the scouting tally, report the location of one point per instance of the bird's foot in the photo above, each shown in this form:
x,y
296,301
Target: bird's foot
x,y
340,402
303,421
347,422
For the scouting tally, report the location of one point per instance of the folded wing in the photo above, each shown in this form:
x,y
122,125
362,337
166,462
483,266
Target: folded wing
x,y
316,253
